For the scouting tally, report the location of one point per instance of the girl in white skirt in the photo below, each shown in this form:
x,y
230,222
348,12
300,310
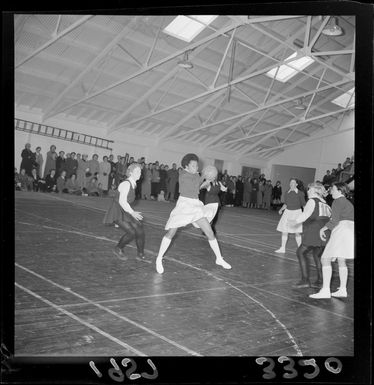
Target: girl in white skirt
x,y
189,209
294,200
341,243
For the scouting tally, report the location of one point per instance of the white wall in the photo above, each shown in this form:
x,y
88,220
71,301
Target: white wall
x,y
322,154
137,146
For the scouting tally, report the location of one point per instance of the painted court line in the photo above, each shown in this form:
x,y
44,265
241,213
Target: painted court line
x,y
87,324
189,351
236,288
72,305
162,337
244,284
292,339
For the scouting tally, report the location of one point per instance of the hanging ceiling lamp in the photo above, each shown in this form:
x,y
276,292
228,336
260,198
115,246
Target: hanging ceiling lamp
x,y
333,29
300,104
185,63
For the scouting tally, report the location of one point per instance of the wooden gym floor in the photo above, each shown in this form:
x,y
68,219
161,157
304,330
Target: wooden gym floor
x,y
73,297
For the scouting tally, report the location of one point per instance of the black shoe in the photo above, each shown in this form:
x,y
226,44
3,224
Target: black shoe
x,y
119,253
302,284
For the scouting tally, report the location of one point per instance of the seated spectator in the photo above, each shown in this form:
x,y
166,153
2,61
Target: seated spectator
x,y
327,179
347,163
50,181
17,183
61,183
100,189
92,187
338,170
37,182
25,183
72,185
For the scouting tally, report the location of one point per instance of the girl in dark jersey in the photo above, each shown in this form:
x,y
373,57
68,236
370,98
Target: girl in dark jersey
x,y
294,200
341,243
189,209
315,215
121,214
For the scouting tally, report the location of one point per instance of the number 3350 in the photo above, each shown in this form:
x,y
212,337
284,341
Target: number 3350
x,y
291,372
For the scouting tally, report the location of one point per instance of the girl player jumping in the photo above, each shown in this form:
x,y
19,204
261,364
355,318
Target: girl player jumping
x,y
120,213
189,209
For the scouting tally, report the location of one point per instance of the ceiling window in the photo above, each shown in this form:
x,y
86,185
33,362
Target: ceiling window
x,y
346,100
188,27
287,71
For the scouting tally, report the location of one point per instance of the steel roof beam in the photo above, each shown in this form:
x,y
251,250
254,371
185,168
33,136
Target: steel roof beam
x,y
75,25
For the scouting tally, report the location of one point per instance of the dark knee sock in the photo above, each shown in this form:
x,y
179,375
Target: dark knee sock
x,y
301,253
140,239
317,252
128,236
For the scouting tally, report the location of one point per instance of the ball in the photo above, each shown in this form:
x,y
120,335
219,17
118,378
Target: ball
x,y
210,173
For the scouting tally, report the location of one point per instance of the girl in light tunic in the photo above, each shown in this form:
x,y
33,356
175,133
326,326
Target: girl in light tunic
x,y
189,209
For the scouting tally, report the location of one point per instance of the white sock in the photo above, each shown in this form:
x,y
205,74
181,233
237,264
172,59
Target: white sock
x,y
326,276
298,240
284,241
163,247
219,260
343,275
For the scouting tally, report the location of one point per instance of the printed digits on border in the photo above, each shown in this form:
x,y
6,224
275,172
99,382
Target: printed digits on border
x,y
289,367
310,362
115,373
338,368
268,370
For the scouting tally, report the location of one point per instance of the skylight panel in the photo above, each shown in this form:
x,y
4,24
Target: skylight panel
x,y
188,27
346,100
287,71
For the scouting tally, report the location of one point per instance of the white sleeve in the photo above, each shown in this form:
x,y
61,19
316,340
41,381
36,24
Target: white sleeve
x,y
222,187
308,211
124,189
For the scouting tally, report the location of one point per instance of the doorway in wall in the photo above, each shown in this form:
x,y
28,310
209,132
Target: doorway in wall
x,y
218,164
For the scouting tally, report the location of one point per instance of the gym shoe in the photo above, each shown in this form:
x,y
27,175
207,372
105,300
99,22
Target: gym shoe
x,y
321,294
340,293
223,263
280,251
159,267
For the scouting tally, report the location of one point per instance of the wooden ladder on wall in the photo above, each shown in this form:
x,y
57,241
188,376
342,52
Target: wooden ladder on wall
x,y
61,133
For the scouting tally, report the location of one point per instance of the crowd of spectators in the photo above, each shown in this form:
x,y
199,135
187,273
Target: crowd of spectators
x,y
73,173
339,174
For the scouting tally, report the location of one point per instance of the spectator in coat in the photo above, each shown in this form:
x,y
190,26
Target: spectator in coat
x,y
247,188
50,161
239,192
268,191
103,176
254,192
277,193
39,161
146,183
173,176
28,159
60,162
71,165
94,166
